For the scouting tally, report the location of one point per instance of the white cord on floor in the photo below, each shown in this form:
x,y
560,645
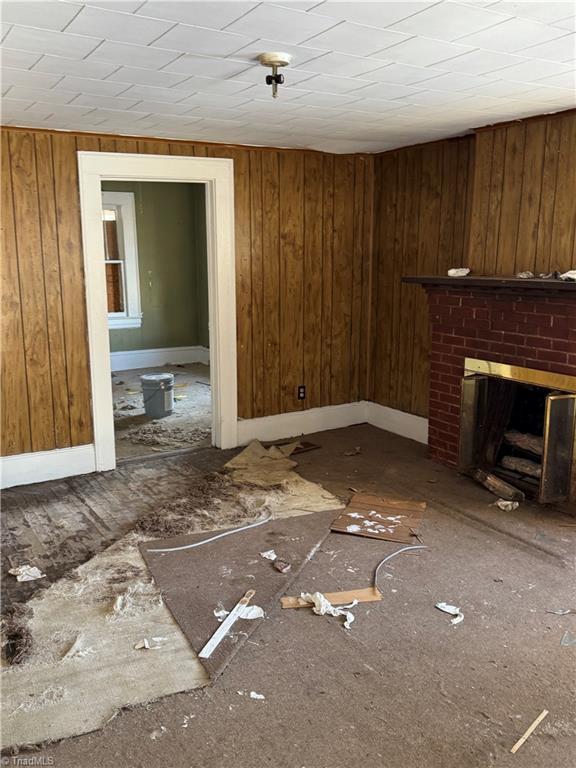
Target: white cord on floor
x,y
213,538
389,557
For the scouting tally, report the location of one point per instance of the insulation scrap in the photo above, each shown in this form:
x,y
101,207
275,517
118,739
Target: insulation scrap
x,y
269,555
507,506
453,611
458,272
246,612
353,451
568,639
259,696
152,644
570,275
282,566
158,733
27,573
321,606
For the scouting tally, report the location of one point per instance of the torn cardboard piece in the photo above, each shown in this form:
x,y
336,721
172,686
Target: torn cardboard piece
x,y
381,518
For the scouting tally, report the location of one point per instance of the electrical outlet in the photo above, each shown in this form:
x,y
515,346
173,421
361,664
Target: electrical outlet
x,y
302,392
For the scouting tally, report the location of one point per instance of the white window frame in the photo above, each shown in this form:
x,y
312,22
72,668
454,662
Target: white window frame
x,y
124,204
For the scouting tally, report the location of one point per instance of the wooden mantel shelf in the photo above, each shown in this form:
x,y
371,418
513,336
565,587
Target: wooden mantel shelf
x,y
473,281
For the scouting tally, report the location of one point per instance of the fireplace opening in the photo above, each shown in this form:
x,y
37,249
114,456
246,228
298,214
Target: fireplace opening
x,y
522,433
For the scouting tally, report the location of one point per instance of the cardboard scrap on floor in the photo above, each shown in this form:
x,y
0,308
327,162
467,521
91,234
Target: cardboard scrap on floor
x,y
381,518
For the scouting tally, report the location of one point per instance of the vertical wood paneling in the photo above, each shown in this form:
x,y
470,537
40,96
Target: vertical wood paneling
x,y
72,286
257,278
327,275
342,278
52,280
291,279
564,222
481,193
511,197
368,281
530,201
271,280
32,290
313,181
15,413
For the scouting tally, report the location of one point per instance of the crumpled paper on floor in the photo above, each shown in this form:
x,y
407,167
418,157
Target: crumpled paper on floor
x,y
453,611
27,573
322,606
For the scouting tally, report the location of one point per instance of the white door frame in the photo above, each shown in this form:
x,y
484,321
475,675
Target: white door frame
x,y
217,174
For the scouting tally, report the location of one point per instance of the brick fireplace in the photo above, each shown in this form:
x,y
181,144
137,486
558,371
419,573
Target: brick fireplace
x,y
487,326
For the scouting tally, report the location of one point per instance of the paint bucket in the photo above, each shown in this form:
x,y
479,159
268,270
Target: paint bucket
x,y
158,393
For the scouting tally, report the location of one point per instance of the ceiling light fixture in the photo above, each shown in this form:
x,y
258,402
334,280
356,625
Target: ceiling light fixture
x,y
274,61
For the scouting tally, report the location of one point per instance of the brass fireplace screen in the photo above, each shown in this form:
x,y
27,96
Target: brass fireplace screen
x,y
520,424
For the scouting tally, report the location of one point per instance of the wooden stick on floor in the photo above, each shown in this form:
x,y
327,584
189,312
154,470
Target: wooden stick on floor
x,y
530,730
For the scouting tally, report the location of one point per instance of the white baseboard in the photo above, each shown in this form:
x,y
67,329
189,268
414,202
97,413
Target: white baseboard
x,y
398,422
153,358
26,468
333,417
300,422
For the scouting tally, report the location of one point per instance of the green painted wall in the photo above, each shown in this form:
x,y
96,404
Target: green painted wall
x,y
172,261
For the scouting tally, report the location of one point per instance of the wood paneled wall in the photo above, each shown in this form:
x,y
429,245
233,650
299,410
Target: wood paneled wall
x,y
303,264
422,211
500,202
524,209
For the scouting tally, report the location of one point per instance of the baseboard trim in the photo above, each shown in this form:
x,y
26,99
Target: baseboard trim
x,y
152,358
399,422
27,468
333,417
300,422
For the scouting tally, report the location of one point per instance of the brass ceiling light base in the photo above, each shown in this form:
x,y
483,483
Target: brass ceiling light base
x,y
275,60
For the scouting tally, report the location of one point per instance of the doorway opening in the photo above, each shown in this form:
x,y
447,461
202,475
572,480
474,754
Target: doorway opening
x,y
151,311
157,293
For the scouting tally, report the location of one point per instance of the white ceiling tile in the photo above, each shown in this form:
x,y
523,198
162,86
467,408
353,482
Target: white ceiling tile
x,y
40,94
133,55
42,15
201,41
213,86
122,27
139,76
375,106
90,86
502,89
354,39
547,11
390,90
300,53
116,115
567,80
4,29
104,102
28,77
266,21
513,35
535,69
455,81
205,66
151,93
403,74
48,108
563,49
329,84
82,68
215,15
128,6
423,51
46,41
326,99
18,59
215,100
218,112
160,108
342,64
479,62
262,91
449,21
568,23
375,14
12,106
436,98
